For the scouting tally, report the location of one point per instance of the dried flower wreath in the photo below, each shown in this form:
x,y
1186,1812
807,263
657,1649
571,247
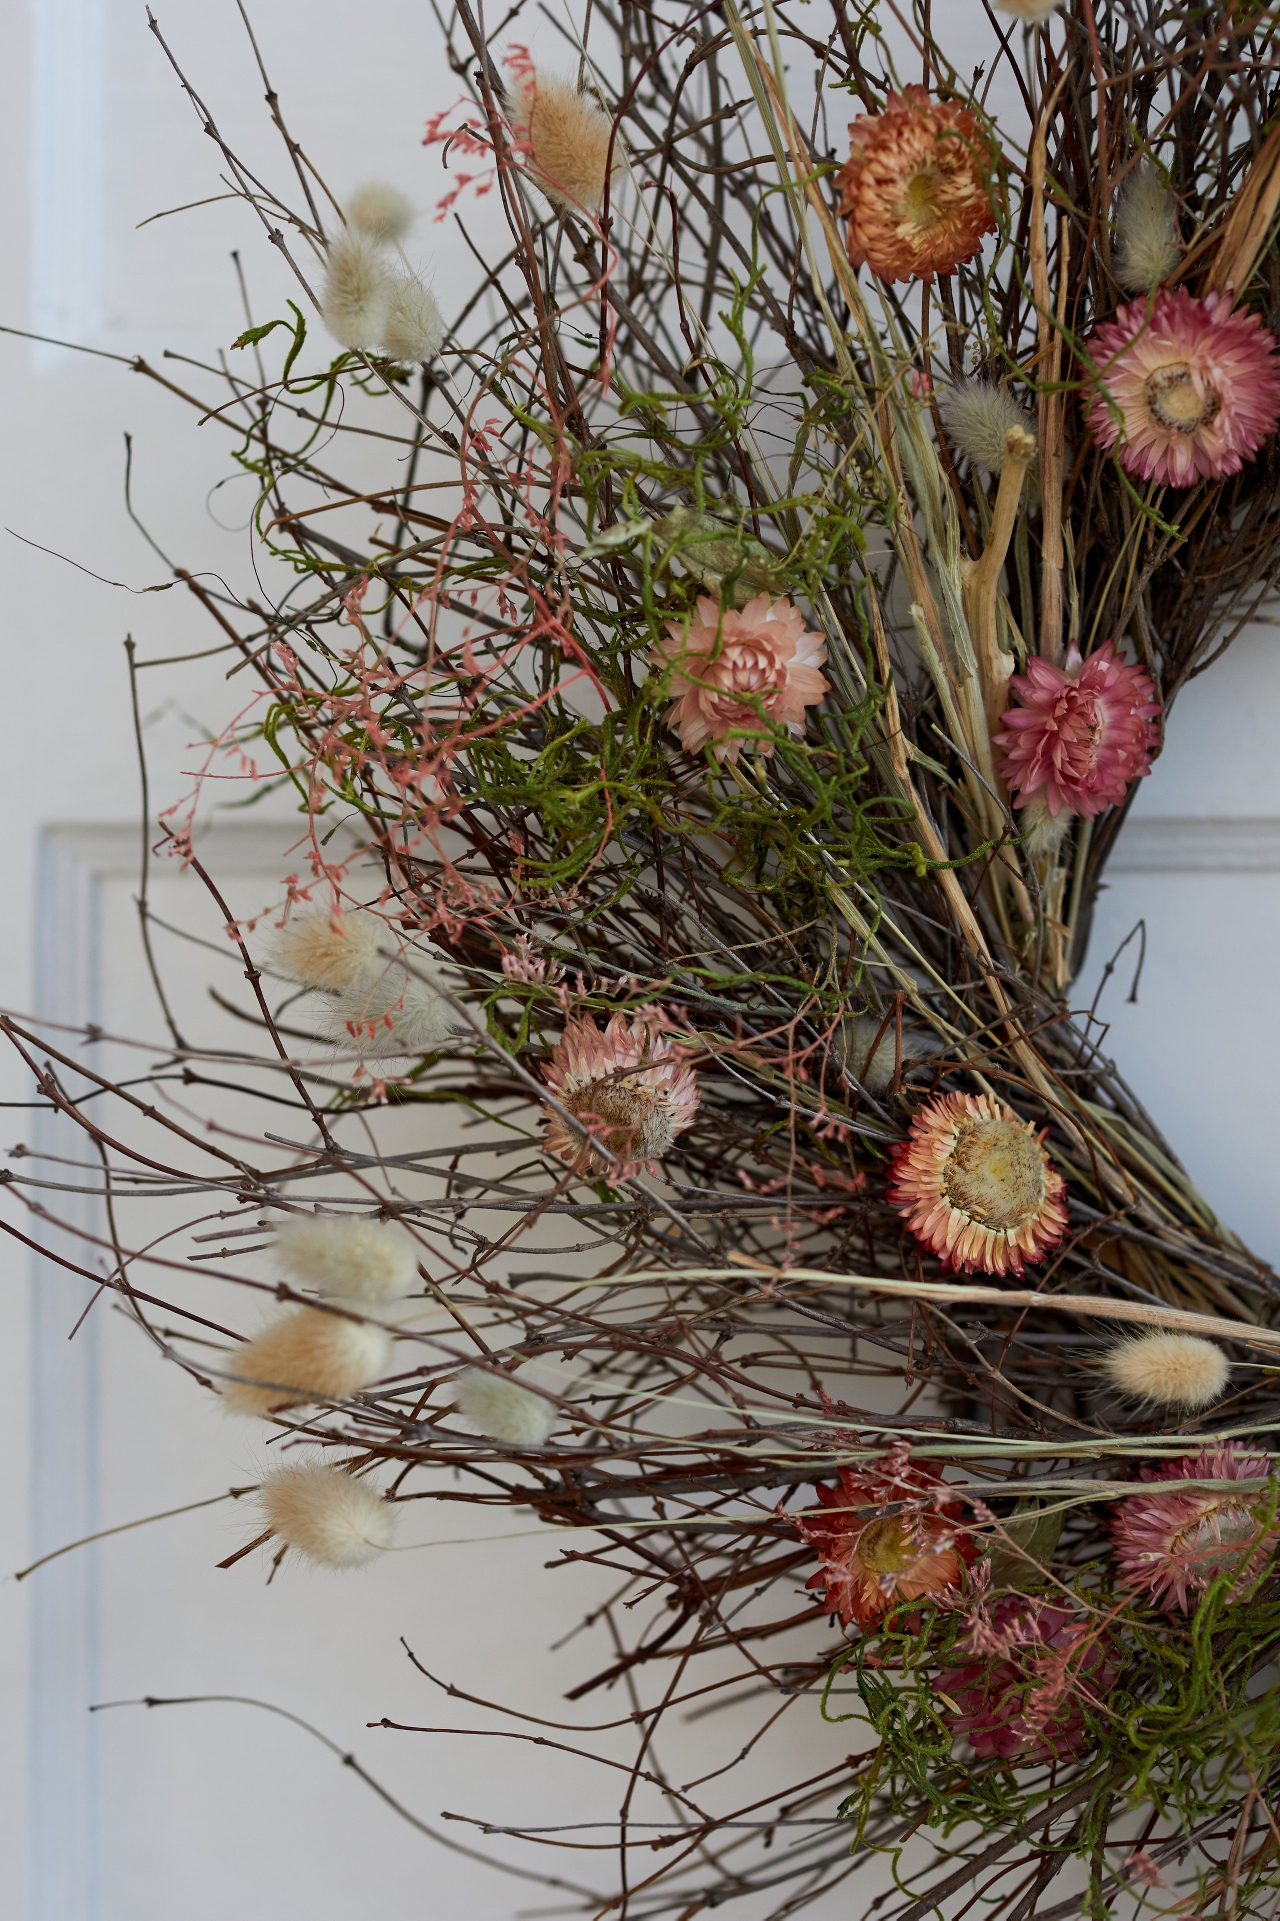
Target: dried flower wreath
x,y
728,757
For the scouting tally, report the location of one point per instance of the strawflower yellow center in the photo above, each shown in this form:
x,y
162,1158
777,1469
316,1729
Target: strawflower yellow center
x,y
920,196
1173,399
882,1549
995,1174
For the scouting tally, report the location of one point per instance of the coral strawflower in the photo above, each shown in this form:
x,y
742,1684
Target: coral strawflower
x,y
1196,382
976,1186
735,672
872,1562
631,1085
1175,1541
1028,1702
915,187
1079,735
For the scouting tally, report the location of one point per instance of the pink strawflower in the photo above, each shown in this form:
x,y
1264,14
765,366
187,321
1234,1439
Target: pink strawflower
x,y
1028,1704
631,1085
740,671
1197,383
1079,736
1174,1544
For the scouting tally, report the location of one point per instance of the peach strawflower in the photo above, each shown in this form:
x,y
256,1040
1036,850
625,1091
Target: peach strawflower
x,y
1197,383
737,672
1027,1702
631,1085
1079,736
976,1186
915,187
1175,1542
874,1562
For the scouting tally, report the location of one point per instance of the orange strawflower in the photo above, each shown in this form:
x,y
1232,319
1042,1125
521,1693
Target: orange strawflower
x,y
916,187
976,1186
873,1561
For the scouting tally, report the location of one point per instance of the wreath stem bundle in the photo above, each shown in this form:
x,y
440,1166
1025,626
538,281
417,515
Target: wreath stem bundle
x,y
712,672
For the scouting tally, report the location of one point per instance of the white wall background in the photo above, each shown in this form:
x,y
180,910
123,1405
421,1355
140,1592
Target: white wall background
x,y
199,1812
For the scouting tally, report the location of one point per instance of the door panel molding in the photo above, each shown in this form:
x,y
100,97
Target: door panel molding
x,y
74,864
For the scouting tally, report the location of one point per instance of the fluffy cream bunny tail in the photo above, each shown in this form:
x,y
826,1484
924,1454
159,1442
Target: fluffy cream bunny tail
x,y
350,1257
504,1410
307,1355
330,1519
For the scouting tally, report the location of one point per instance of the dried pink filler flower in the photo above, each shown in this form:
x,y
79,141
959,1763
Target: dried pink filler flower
x,y
1079,736
631,1085
1029,1704
740,671
1175,1543
1196,381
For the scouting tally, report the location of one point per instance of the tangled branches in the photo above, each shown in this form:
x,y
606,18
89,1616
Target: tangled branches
x,y
642,666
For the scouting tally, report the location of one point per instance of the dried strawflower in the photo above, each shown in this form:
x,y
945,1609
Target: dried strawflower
x,y
504,1410
330,950
875,1561
977,1187
324,1514
915,186
1196,383
631,1085
307,1355
875,1070
1171,1370
1146,250
1079,735
566,136
414,326
1028,1702
357,291
392,1012
740,673
349,1257
379,212
1173,1543
978,415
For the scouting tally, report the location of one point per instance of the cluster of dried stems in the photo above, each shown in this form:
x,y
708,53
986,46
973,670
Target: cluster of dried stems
x,y
453,673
